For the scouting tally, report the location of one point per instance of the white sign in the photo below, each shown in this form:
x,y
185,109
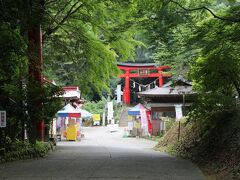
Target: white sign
x,y
3,119
178,110
119,94
110,110
103,119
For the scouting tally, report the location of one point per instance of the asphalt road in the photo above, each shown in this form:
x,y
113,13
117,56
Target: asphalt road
x,y
102,155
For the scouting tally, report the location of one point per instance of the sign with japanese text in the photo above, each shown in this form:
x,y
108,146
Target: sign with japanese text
x,y
3,119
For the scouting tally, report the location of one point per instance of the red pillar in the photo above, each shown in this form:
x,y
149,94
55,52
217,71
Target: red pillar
x,y
160,79
35,68
126,92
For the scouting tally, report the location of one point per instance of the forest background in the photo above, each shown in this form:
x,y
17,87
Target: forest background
x,y
83,40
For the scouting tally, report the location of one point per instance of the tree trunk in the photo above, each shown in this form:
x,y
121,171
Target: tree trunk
x,y
35,79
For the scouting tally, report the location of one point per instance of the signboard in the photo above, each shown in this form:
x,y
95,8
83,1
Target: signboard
x,y
178,110
137,125
96,117
130,118
110,110
3,119
143,72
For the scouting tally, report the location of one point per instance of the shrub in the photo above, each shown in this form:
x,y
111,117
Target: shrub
x,y
24,150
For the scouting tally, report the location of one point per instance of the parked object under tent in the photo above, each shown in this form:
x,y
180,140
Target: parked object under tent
x,y
139,123
68,123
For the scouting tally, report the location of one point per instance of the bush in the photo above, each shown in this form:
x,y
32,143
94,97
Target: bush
x,y
24,150
212,144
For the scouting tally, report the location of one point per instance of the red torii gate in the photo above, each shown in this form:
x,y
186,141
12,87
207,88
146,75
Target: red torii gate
x,y
140,71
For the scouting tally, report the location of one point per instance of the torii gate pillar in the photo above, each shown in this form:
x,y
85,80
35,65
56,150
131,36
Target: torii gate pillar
x,y
126,90
160,78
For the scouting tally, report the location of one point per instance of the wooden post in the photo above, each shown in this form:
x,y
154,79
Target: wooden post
x,y
179,129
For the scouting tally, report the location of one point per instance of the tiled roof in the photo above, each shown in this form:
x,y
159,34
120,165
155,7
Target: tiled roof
x,y
136,64
166,91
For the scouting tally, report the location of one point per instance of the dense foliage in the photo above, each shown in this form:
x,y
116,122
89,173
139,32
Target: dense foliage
x,y
96,107
85,39
19,150
201,40
13,69
82,40
22,96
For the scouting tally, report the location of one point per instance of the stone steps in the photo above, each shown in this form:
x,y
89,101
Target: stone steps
x,y
123,122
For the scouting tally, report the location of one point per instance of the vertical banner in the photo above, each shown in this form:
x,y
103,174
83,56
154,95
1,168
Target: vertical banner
x,y
178,110
119,94
103,119
3,119
110,111
144,121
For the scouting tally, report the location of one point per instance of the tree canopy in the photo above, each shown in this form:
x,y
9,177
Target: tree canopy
x,y
85,39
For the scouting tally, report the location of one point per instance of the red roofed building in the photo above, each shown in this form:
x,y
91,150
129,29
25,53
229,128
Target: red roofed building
x,y
72,94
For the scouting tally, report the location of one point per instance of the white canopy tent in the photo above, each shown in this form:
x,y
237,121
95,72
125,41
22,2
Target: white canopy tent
x,y
84,114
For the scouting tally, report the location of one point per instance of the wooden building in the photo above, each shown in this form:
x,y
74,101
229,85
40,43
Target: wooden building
x,y
163,101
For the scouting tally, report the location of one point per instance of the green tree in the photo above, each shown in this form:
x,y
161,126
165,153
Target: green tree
x,y
82,42
13,71
20,22
83,47
95,107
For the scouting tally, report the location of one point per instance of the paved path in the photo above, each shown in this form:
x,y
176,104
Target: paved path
x,y
102,155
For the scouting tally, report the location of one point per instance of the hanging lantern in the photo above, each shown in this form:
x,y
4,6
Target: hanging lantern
x,y
139,88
